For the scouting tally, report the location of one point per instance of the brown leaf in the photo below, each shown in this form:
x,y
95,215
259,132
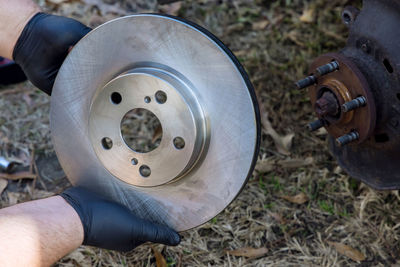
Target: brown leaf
x,y
39,194
106,8
282,143
277,217
241,53
260,25
160,260
295,163
348,251
248,252
171,9
3,185
157,134
13,197
308,15
294,37
297,199
78,258
56,2
18,175
265,165
268,164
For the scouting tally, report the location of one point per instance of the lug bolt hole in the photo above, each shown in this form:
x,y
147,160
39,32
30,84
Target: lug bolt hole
x,y
134,161
145,171
179,143
116,98
161,97
147,99
107,143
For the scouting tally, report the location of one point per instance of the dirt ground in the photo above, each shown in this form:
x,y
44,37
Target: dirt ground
x,y
333,221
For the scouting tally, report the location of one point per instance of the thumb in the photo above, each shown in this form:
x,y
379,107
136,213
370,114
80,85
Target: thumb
x,y
156,233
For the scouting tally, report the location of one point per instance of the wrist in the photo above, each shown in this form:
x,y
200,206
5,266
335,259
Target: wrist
x,y
74,220
13,20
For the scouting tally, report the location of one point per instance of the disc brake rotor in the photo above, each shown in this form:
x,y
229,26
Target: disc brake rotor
x,y
196,88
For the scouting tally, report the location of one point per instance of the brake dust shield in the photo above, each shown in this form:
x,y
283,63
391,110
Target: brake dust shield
x,y
207,102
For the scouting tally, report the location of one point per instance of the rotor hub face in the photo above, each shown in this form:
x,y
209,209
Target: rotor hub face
x,y
141,89
207,101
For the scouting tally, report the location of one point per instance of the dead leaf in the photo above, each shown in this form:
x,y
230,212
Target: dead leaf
x,y
3,185
157,134
337,170
237,27
277,217
321,132
348,251
295,163
248,252
265,165
78,258
241,53
297,199
294,37
171,9
282,143
13,197
269,164
308,15
260,25
106,8
160,260
18,175
56,2
39,194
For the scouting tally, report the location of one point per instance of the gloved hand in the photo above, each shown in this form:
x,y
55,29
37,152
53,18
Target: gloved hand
x,y
109,225
43,46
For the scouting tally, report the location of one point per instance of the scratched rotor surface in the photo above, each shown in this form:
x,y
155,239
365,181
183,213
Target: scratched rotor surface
x,y
196,88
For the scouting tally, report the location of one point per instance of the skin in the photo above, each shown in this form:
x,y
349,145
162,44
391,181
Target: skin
x,y
36,233
14,15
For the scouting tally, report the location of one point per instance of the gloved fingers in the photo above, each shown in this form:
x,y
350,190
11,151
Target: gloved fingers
x,y
43,45
155,233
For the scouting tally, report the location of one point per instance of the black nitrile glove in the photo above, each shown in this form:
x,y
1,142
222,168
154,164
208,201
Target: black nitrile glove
x,y
112,226
44,44
10,72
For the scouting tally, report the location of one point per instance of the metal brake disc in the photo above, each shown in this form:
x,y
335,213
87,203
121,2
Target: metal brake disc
x,y
208,103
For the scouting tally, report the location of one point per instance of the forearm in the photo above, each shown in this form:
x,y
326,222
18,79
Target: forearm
x,y
38,233
14,15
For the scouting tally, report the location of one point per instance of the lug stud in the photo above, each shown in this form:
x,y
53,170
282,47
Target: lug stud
x,y
306,82
315,125
348,138
354,104
328,68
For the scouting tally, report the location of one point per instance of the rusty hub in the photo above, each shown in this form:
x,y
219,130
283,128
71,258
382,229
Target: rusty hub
x,y
333,90
356,94
327,105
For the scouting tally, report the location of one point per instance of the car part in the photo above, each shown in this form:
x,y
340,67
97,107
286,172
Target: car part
x,y
356,95
196,88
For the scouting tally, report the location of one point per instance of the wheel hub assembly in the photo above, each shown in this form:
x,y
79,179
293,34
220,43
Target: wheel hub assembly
x,y
356,95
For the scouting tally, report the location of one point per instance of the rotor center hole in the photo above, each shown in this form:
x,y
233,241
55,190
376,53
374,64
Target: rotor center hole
x,y
141,130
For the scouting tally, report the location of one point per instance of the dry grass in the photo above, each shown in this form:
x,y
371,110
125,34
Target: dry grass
x,y
275,46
